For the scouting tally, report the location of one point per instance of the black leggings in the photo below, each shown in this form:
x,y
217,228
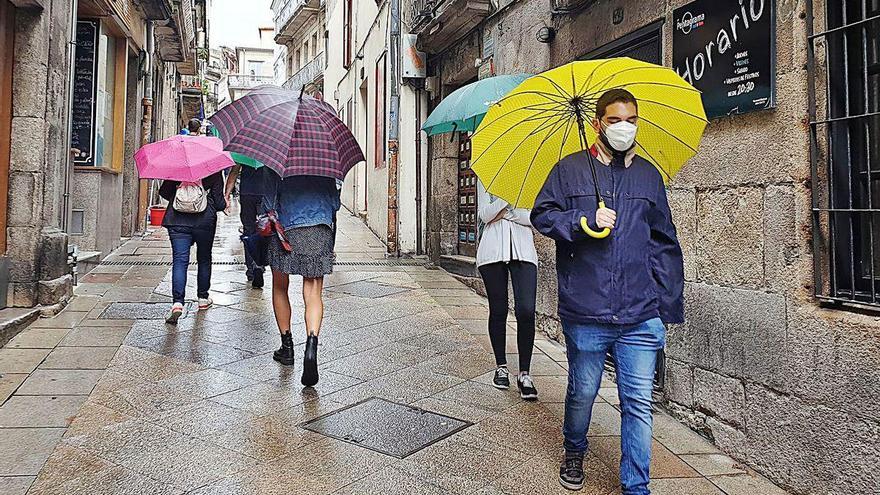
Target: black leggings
x,y
525,283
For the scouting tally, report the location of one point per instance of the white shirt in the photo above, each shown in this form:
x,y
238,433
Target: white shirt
x,y
508,239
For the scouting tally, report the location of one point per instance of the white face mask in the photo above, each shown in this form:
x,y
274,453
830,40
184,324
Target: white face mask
x,y
621,136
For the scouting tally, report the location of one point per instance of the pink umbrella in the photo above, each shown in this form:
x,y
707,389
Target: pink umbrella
x,y
182,158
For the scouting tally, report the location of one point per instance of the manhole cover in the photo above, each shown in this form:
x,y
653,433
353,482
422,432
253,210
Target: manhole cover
x,y
368,290
388,427
137,311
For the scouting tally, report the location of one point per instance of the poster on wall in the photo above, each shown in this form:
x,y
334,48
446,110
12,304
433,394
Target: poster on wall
x,y
727,50
85,84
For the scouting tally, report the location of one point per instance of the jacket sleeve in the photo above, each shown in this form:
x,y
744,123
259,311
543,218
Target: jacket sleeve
x,y
520,216
218,192
550,215
168,189
666,260
488,209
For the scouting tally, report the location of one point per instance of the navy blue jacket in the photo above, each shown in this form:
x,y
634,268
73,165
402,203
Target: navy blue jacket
x,y
633,275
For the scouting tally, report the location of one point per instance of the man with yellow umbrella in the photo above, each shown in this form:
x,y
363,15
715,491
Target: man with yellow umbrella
x,y
618,260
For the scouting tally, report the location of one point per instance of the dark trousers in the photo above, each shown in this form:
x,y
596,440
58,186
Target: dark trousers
x,y
250,208
524,277
182,239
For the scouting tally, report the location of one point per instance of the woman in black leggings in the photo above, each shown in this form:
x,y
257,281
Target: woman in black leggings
x,y
507,252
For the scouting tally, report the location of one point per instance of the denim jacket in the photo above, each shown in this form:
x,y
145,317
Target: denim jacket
x,y
306,201
635,274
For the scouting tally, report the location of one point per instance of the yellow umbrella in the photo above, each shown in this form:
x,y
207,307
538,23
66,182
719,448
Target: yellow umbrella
x,y
547,118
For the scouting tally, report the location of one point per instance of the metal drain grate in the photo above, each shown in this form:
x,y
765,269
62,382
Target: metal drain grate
x,y
388,427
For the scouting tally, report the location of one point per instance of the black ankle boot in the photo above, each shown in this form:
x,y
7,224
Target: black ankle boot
x,y
284,354
310,362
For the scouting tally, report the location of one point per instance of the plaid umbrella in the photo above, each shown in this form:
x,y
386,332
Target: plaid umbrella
x,y
290,133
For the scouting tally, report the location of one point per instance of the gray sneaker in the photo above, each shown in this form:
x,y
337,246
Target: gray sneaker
x,y
571,471
526,386
501,380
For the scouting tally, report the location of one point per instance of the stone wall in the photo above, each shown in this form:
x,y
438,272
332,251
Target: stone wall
x,y
37,247
775,379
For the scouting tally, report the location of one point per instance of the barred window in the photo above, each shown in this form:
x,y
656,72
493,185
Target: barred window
x,y
844,69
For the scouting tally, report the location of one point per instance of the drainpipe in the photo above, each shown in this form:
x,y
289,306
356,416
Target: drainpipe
x,y
144,196
418,163
394,134
68,162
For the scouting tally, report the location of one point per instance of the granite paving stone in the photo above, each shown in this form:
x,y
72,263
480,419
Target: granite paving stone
x,y
15,485
202,408
79,358
60,382
25,450
21,360
37,338
54,412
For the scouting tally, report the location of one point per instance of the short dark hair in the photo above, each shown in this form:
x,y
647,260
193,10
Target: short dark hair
x,y
195,125
614,96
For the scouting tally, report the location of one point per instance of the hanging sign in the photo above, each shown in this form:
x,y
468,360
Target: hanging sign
x,y
727,50
84,89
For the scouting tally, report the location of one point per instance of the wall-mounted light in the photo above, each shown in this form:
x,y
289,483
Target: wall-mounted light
x,y
546,34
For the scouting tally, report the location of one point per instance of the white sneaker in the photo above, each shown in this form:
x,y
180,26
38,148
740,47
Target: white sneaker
x,y
205,303
174,314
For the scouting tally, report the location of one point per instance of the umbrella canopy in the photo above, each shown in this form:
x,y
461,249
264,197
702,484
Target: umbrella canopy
x,y
182,158
547,118
238,157
288,132
465,107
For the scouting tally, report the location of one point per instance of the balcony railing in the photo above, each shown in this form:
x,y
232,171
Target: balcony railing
x,y
438,23
308,74
249,81
292,10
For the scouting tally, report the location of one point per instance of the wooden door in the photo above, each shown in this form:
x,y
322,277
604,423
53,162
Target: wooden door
x,y
7,38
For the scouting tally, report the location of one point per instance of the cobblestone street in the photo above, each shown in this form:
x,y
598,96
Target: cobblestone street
x,y
106,398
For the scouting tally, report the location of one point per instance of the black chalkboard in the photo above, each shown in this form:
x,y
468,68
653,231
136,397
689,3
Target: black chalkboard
x,y
727,50
85,86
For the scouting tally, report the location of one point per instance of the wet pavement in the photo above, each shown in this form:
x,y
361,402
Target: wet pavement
x,y
107,399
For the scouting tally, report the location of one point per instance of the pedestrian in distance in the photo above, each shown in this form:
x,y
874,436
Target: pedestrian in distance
x,y
306,207
252,193
507,253
191,221
194,127
616,293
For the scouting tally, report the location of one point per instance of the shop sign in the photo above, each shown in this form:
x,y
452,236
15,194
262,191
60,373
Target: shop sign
x,y
84,91
727,50
486,69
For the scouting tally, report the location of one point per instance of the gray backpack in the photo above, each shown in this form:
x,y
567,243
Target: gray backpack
x,y
191,197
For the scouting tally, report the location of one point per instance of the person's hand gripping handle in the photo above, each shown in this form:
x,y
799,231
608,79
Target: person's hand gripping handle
x,y
605,218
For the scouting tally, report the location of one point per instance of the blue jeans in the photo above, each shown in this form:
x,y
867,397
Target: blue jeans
x,y
182,239
635,349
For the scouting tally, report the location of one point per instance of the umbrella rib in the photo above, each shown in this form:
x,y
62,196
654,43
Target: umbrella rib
x,y
656,162
562,146
535,157
554,112
604,82
515,148
675,109
552,97
546,119
589,79
562,91
670,134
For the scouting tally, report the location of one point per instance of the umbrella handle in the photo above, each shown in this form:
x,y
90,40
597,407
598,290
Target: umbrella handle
x,y
592,233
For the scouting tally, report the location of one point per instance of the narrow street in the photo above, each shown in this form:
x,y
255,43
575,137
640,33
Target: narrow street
x,y
106,398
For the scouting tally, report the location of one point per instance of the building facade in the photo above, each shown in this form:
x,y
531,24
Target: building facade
x,y
84,84
254,66
780,357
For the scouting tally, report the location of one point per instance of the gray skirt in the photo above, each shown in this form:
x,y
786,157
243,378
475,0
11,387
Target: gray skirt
x,y
311,253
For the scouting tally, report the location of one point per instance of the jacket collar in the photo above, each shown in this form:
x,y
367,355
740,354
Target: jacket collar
x,y
601,153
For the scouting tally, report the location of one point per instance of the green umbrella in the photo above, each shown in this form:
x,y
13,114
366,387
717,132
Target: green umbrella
x,y
238,157
464,108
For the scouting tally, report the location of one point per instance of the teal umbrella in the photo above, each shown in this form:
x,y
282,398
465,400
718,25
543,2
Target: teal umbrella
x,y
238,157
464,108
